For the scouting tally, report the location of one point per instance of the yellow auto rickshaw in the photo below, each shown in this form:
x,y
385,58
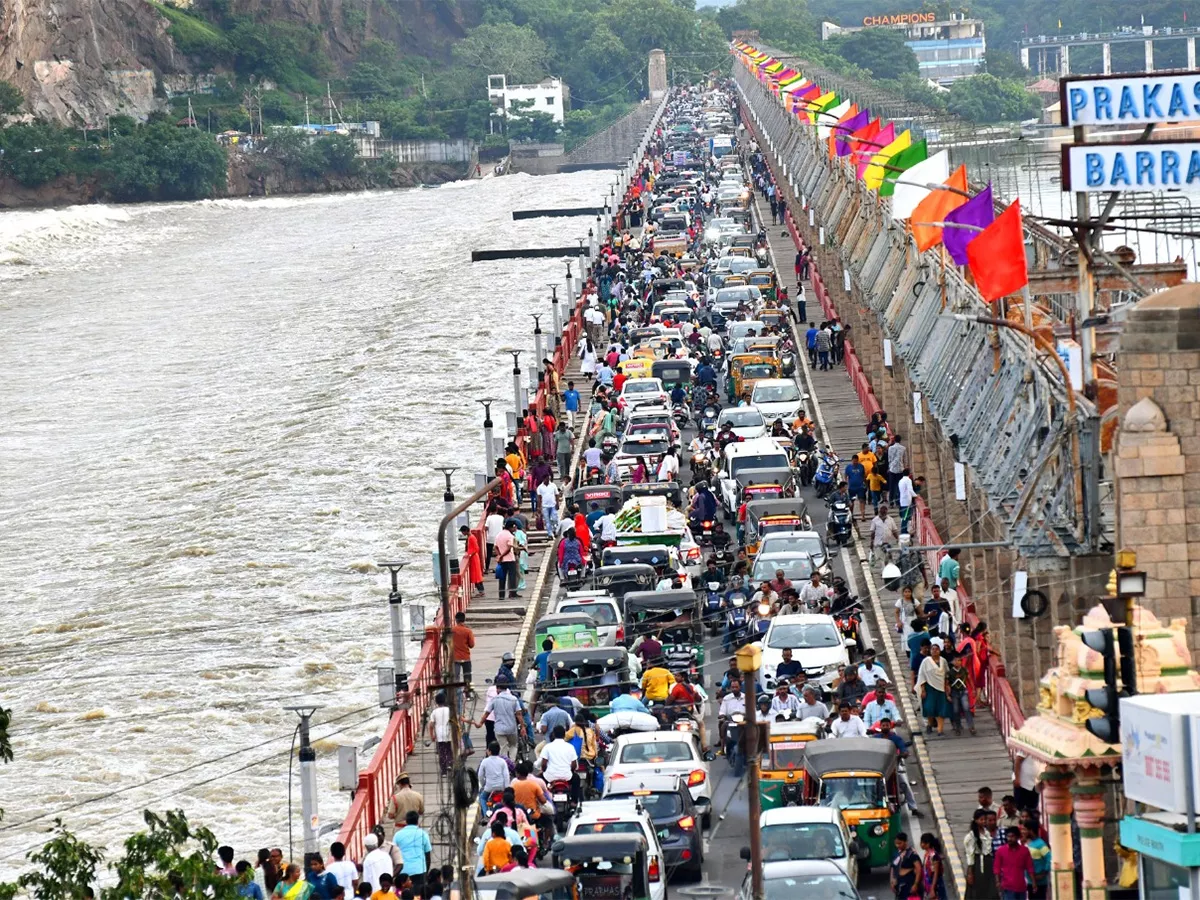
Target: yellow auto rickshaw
x,y
638,365
753,367
764,280
766,516
781,773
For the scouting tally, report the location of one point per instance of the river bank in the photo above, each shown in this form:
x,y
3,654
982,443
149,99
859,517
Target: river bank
x,y
247,177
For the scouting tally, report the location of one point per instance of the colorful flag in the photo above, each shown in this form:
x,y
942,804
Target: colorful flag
x,y
873,177
905,197
932,211
862,158
830,118
997,256
900,164
844,130
977,214
865,134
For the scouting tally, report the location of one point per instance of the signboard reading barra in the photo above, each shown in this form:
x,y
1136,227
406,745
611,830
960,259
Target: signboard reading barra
x,y
1131,99
900,19
1153,166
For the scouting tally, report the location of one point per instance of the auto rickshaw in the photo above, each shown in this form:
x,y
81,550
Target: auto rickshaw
x,y
523,883
781,773
604,495
675,618
591,675
663,286
765,344
618,579
764,280
612,864
747,368
669,489
773,317
672,372
664,559
569,631
860,777
765,516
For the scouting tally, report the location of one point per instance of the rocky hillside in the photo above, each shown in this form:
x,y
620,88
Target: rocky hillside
x,y
78,61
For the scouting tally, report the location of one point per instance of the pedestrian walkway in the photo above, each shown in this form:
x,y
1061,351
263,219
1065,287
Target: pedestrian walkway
x,y
953,767
500,626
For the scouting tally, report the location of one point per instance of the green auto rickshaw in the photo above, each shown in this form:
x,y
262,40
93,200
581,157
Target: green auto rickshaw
x,y
860,777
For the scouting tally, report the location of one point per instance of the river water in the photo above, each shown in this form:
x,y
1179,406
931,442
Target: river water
x,y
215,417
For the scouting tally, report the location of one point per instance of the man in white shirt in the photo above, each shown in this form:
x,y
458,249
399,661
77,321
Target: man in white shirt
x,y
784,701
557,759
342,869
376,862
607,526
846,725
950,595
668,469
869,670
715,343
547,494
592,457
493,524
905,487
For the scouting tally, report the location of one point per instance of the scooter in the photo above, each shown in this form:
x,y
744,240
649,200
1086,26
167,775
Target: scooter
x,y
564,807
826,475
840,527
701,466
806,464
736,618
680,415
713,606
708,422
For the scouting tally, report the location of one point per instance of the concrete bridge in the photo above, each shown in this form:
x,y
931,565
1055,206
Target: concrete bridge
x,y
1058,46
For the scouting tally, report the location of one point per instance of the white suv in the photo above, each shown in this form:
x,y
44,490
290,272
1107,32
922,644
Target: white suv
x,y
665,753
628,817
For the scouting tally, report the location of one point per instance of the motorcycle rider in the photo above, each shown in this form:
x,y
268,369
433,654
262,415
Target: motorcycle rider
x,y
679,395
704,507
813,594
732,703
778,429
712,574
570,553
736,591
725,437
705,373
720,540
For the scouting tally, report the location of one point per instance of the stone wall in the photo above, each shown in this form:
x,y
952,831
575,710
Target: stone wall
x,y
1158,466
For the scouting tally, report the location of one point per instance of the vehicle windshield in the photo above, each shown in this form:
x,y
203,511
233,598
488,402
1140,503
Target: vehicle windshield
x,y
742,418
787,755
774,461
610,828
802,840
644,446
791,543
733,295
853,792
810,887
775,393
796,568
807,636
603,613
759,371
657,752
660,805
641,387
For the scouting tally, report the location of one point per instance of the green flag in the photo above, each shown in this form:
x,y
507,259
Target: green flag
x,y
905,159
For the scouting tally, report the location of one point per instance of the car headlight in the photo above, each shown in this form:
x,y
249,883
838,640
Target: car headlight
x,y
879,830
832,667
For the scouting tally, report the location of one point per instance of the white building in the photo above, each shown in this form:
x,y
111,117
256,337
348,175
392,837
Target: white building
x,y
549,96
946,49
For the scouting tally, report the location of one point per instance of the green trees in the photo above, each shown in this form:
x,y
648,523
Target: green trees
x,y
33,154
881,51
1003,65
526,124
11,98
504,48
162,162
986,98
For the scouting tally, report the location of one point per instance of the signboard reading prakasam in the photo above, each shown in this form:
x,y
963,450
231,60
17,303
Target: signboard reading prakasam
x,y
900,19
1131,99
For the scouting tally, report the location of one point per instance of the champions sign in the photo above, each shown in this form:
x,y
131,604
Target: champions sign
x,y
900,19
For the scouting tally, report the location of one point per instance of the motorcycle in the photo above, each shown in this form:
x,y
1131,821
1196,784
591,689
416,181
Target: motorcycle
x,y
733,742
840,527
826,475
713,605
573,576
725,558
736,619
564,807
708,422
848,622
701,466
680,415
609,445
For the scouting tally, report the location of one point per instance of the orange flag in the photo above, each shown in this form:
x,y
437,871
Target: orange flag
x,y
997,256
935,207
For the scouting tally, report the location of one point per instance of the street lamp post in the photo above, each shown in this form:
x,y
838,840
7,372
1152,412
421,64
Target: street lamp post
x,y
558,325
570,286
516,354
395,602
489,461
749,659
535,372
448,501
308,777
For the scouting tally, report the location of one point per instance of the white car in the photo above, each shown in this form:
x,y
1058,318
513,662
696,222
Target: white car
x,y
815,643
665,753
748,423
814,879
809,542
778,398
739,330
757,453
808,832
624,816
639,391
604,612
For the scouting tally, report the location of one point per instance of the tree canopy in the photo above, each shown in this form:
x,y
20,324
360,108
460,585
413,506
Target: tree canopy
x,y
880,51
986,98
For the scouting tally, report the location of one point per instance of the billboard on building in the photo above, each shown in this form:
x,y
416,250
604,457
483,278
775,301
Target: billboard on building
x,y
1155,756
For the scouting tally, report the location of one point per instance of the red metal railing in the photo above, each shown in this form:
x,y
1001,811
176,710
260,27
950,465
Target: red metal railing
x,y
995,688
377,782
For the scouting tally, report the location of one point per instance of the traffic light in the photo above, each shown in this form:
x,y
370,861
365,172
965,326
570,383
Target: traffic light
x,y
1107,698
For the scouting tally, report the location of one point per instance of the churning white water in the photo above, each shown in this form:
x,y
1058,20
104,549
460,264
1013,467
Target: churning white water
x,y
213,418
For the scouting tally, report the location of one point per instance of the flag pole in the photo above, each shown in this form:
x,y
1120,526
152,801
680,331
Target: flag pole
x,y
942,253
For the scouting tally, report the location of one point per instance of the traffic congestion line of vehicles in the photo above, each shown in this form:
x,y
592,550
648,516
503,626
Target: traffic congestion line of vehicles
x,y
708,364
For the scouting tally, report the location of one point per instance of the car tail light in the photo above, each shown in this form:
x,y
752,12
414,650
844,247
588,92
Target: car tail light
x,y
655,875
693,555
696,776
615,777
687,823
620,633
686,855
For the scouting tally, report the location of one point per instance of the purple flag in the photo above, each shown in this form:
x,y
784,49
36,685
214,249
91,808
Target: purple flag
x,y
978,212
850,126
